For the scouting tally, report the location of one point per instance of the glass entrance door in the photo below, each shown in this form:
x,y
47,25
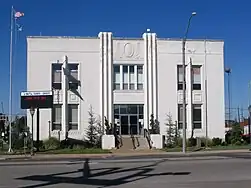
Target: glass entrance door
x,y
130,118
124,125
133,124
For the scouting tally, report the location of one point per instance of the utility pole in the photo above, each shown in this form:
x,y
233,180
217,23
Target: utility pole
x,y
184,83
228,71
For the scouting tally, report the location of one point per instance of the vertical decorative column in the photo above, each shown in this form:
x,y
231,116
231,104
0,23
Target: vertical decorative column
x,y
146,101
106,80
150,82
155,76
101,55
150,74
65,87
110,77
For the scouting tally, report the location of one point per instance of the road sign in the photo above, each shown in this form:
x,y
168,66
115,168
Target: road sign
x,y
36,99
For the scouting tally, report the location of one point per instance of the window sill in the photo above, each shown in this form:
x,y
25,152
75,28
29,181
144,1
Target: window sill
x,y
128,91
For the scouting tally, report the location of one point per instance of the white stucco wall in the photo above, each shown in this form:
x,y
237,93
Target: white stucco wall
x,y
44,51
165,54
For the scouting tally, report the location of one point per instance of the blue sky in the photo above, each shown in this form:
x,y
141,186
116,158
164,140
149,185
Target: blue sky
x,y
216,19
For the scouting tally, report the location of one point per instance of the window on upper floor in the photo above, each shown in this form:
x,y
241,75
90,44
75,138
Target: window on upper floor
x,y
56,76
128,77
179,77
140,77
73,78
196,77
117,80
197,122
56,117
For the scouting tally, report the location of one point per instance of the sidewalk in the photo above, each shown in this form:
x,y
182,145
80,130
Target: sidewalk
x,y
112,155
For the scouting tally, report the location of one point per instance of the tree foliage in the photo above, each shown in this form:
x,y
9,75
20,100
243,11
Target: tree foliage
x,y
236,133
173,133
92,130
154,125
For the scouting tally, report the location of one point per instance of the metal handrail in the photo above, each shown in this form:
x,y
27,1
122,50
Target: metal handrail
x,y
148,137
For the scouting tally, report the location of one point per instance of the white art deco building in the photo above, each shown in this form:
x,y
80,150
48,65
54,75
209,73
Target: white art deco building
x,y
126,80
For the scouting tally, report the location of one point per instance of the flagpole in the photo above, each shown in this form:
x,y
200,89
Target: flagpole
x,y
10,91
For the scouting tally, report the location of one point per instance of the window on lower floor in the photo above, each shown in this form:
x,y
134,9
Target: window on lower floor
x,y
56,117
73,116
197,123
180,116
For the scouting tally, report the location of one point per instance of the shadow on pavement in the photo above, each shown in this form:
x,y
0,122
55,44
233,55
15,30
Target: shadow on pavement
x,y
90,176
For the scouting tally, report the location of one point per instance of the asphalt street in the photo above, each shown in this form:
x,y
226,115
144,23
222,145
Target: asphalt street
x,y
222,172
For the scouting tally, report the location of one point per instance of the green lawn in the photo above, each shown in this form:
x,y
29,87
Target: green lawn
x,y
61,151
213,148
76,151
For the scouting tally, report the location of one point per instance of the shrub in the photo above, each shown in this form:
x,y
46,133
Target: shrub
x,y
51,144
224,143
238,143
179,142
204,140
192,142
216,142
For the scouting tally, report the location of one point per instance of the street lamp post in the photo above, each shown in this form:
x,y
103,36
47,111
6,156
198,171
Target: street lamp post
x,y
32,112
249,126
228,71
184,83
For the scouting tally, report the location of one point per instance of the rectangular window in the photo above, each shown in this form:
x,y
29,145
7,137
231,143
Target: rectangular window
x,y
196,77
131,77
73,78
56,76
140,77
180,116
116,79
179,77
197,116
56,117
125,77
73,116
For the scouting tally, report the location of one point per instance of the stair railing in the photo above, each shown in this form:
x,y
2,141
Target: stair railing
x,y
133,139
148,137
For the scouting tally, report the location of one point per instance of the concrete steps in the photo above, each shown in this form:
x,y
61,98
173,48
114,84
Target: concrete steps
x,y
133,144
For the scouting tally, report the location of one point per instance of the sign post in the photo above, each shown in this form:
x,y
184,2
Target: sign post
x,y
32,112
36,100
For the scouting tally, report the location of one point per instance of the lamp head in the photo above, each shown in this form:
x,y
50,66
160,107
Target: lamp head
x,y
194,13
32,111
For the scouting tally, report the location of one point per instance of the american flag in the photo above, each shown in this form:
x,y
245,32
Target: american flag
x,y
19,14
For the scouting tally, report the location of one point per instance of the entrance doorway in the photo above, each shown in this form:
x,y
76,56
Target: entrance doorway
x,y
130,118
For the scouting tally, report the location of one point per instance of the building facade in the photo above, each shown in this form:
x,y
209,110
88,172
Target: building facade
x,y
126,80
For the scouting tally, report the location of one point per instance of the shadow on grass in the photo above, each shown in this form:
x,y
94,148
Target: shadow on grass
x,y
94,176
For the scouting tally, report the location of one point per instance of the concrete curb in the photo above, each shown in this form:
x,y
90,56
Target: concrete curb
x,y
119,155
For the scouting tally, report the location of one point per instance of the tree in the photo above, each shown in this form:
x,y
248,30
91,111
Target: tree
x,y
236,133
108,127
92,134
171,131
154,124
